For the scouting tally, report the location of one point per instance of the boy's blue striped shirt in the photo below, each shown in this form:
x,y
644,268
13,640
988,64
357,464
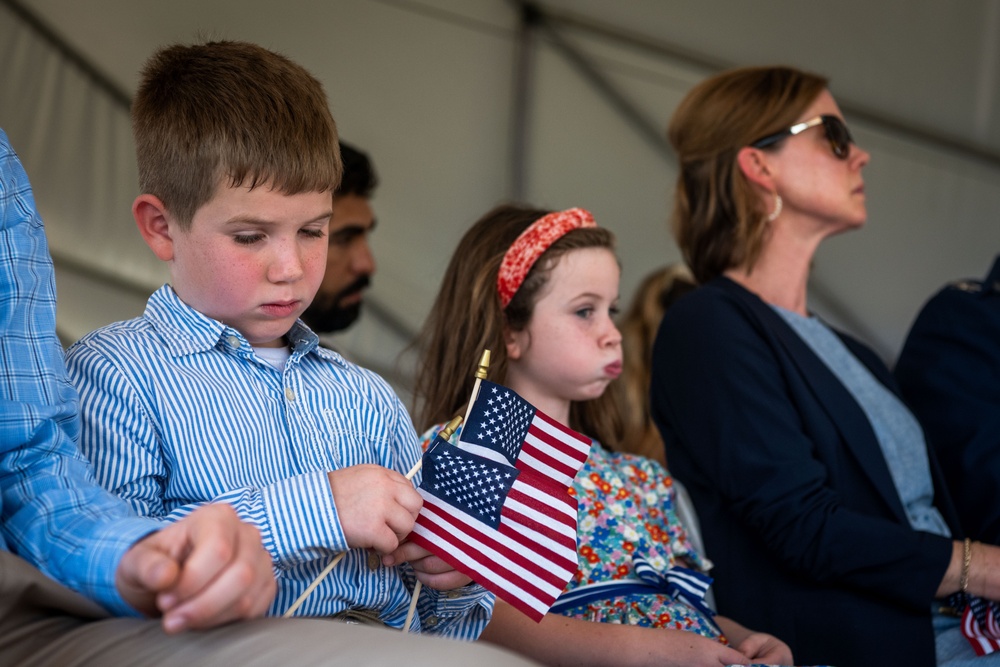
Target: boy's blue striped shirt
x,y
178,410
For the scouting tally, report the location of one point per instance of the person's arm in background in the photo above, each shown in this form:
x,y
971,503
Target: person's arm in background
x,y
949,374
52,513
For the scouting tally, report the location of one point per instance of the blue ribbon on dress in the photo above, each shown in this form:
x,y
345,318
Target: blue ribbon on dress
x,y
676,582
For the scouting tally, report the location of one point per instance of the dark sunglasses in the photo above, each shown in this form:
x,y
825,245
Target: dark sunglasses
x,y
836,132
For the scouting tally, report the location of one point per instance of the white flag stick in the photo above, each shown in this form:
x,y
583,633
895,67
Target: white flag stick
x,y
336,559
484,365
322,575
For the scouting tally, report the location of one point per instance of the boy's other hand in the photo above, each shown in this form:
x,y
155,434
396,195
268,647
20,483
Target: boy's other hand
x,y
431,570
207,569
376,506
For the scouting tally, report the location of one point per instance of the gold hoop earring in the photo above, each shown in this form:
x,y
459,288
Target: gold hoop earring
x,y
777,208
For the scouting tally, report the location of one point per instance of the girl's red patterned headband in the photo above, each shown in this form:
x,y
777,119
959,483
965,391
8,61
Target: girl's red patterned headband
x,y
529,246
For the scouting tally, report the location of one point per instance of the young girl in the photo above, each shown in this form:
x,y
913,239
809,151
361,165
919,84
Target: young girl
x,y
539,290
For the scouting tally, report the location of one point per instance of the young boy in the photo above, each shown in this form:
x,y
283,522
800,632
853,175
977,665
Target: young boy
x,y
217,393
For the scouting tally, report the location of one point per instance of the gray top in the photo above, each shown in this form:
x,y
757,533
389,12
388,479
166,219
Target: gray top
x,y
897,430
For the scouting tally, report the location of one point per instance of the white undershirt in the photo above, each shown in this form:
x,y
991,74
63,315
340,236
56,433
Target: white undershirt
x,y
276,356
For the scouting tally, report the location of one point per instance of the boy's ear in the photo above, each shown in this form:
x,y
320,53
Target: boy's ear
x,y
756,167
151,218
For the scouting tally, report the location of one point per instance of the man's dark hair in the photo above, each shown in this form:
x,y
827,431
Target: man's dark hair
x,y
359,175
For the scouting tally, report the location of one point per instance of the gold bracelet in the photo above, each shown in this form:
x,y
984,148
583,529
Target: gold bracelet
x,y
963,581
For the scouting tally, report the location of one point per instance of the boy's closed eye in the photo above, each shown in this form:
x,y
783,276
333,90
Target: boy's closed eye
x,y
248,239
256,237
313,232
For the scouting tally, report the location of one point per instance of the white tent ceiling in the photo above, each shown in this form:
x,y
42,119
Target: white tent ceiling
x,y
429,88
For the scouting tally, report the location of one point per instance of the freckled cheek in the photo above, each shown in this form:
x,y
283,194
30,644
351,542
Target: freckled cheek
x,y
233,276
316,264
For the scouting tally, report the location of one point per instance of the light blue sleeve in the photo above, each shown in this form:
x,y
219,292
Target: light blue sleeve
x,y
52,513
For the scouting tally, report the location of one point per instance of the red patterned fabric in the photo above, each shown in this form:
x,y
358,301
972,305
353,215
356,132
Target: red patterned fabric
x,y
530,245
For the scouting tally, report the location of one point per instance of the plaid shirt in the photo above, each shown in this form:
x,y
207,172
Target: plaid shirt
x,y
52,513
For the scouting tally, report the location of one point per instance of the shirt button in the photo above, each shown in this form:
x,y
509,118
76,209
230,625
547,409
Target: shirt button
x,y
453,595
233,341
431,620
289,394
373,560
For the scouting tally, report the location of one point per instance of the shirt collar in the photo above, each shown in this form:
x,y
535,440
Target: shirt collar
x,y
186,331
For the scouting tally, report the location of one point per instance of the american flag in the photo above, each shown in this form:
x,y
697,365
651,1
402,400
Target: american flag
x,y
501,421
980,625
498,519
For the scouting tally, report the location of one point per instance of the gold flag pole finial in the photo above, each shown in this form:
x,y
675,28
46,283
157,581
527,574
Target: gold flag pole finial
x,y
451,427
484,365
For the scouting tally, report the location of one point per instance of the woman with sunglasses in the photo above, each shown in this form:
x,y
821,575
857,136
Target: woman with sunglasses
x,y
820,504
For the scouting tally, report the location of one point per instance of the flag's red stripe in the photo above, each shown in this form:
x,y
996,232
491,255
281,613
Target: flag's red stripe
x,y
559,474
572,449
556,495
571,435
562,519
489,580
558,525
982,643
446,535
541,551
545,447
991,621
524,557
442,527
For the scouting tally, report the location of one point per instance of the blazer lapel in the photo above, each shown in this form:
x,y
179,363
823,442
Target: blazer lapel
x,y
837,401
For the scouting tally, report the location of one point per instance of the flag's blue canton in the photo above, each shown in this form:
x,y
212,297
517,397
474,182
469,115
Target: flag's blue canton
x,y
499,420
476,485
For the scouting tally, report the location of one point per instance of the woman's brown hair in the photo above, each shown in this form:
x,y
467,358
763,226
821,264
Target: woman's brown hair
x,y
467,318
718,219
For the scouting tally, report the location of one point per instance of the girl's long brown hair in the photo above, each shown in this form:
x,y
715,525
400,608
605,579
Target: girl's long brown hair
x,y
466,318
641,321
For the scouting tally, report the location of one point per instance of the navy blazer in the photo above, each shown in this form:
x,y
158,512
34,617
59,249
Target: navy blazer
x,y
797,507
949,372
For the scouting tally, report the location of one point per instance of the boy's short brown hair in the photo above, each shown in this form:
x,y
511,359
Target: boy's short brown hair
x,y
230,110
